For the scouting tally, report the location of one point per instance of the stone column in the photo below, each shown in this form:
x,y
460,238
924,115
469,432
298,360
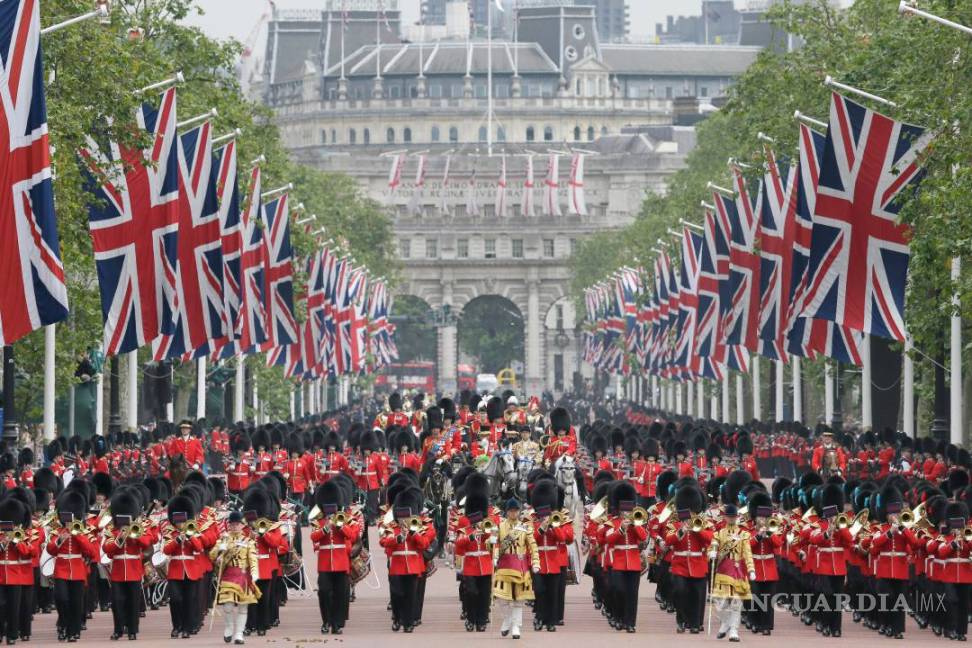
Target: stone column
x,y
448,382
534,378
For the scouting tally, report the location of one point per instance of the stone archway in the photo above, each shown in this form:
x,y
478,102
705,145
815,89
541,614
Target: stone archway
x,y
491,334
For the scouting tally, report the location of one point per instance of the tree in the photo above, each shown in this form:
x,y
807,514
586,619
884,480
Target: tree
x,y
491,330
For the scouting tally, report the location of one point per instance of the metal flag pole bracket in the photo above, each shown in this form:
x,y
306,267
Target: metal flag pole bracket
x,y
176,79
694,226
675,233
654,249
279,190
808,120
734,161
837,85
260,160
198,119
763,137
706,205
232,135
102,12
906,7
307,219
728,193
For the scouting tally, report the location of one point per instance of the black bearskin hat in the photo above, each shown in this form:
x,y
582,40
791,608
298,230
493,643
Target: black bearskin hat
x,y
181,504
448,407
368,441
559,420
832,497
125,504
433,416
412,499
689,498
329,495
15,511
103,484
734,483
260,439
46,479
650,448
663,483
74,502
621,491
544,495
744,445
395,402
260,501
476,505
494,408
25,458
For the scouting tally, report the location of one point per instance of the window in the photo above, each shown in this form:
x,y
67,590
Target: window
x,y
405,248
517,248
453,134
548,248
579,87
435,91
407,135
573,246
668,92
333,136
489,248
481,91
548,133
483,133
367,136
396,92
501,91
390,135
704,91
590,133
559,312
462,248
577,133
352,136
500,134
457,91
604,130
323,136
431,248
530,134
435,133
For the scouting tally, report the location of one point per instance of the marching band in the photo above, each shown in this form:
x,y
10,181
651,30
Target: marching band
x,y
732,522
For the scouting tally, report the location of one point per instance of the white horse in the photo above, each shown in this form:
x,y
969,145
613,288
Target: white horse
x,y
501,472
523,467
565,470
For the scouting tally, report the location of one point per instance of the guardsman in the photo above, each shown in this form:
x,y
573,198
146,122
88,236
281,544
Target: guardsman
x,y
25,461
623,537
334,535
261,513
689,539
830,565
297,470
72,550
562,440
262,458
645,471
892,545
188,446
127,539
765,543
828,457
474,548
182,543
239,468
434,446
954,553
744,447
17,549
403,442
683,465
732,557
334,462
368,478
405,540
235,556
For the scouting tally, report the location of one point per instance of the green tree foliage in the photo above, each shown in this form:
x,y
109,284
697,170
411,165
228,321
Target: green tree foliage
x,y
414,332
92,71
491,330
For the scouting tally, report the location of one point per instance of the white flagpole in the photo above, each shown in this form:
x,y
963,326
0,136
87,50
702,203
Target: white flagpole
x,y
866,418
714,401
672,406
779,389
133,390
797,389
238,390
293,402
255,402
757,389
201,388
700,406
690,400
726,388
71,409
50,340
740,406
955,361
828,392
654,392
678,398
100,403
909,390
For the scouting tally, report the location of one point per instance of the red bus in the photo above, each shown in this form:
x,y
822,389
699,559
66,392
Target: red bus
x,y
408,375
466,377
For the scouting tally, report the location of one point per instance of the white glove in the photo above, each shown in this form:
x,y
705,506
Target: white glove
x,y
712,555
492,539
536,570
752,575
221,547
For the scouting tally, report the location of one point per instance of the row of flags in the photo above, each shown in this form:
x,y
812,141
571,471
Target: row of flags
x,y
182,264
806,266
551,185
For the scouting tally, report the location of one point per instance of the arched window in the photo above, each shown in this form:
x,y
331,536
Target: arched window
x,y
453,134
367,136
577,133
530,134
590,133
390,135
352,136
483,133
407,135
435,133
548,133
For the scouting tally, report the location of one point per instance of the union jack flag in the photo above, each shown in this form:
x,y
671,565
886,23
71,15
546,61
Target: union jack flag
x,y
776,233
742,325
859,251
199,279
252,331
231,238
688,301
134,230
315,313
278,275
33,291
380,328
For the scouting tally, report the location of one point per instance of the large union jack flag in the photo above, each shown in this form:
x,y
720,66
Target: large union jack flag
x,y
32,293
252,324
231,245
742,325
278,294
776,231
859,252
201,311
134,230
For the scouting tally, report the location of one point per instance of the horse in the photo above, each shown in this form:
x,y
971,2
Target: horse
x,y
178,469
565,470
436,480
501,473
524,465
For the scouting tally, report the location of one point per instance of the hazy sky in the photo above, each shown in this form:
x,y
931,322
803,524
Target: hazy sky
x,y
224,18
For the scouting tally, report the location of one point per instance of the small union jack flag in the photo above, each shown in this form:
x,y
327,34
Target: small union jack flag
x,y
33,291
252,331
278,275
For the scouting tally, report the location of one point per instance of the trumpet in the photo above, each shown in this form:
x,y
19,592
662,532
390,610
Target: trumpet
x,y
907,518
77,527
638,516
843,521
696,523
487,526
774,525
339,519
557,519
16,536
412,524
967,534
190,529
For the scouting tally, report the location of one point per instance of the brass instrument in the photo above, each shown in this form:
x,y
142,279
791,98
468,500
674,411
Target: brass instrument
x,y
860,520
77,527
696,523
190,529
907,518
339,519
545,441
413,524
967,534
487,526
774,525
557,519
599,512
17,535
638,516
314,513
843,521
667,511
809,514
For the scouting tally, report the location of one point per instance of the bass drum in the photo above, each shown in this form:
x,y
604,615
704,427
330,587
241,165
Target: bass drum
x,y
160,561
46,564
574,562
360,566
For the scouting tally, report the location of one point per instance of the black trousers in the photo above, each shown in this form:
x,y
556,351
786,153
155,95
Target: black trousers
x,y
333,593
404,598
258,614
894,617
183,604
957,606
69,599
11,599
561,595
125,598
477,593
545,586
624,586
833,586
689,597
761,611
27,605
420,596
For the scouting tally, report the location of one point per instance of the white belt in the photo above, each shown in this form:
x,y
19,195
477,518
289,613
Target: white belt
x,y
892,554
263,556
688,553
547,548
830,549
955,560
69,556
15,562
126,557
763,556
368,473
477,553
405,553
629,547
182,557
333,546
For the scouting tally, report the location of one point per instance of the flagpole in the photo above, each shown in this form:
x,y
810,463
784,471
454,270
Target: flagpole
x,y
201,388
797,389
909,390
700,406
955,360
678,399
779,389
100,403
170,406
714,401
50,339
690,399
726,388
866,413
757,389
238,385
132,390
740,406
489,78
